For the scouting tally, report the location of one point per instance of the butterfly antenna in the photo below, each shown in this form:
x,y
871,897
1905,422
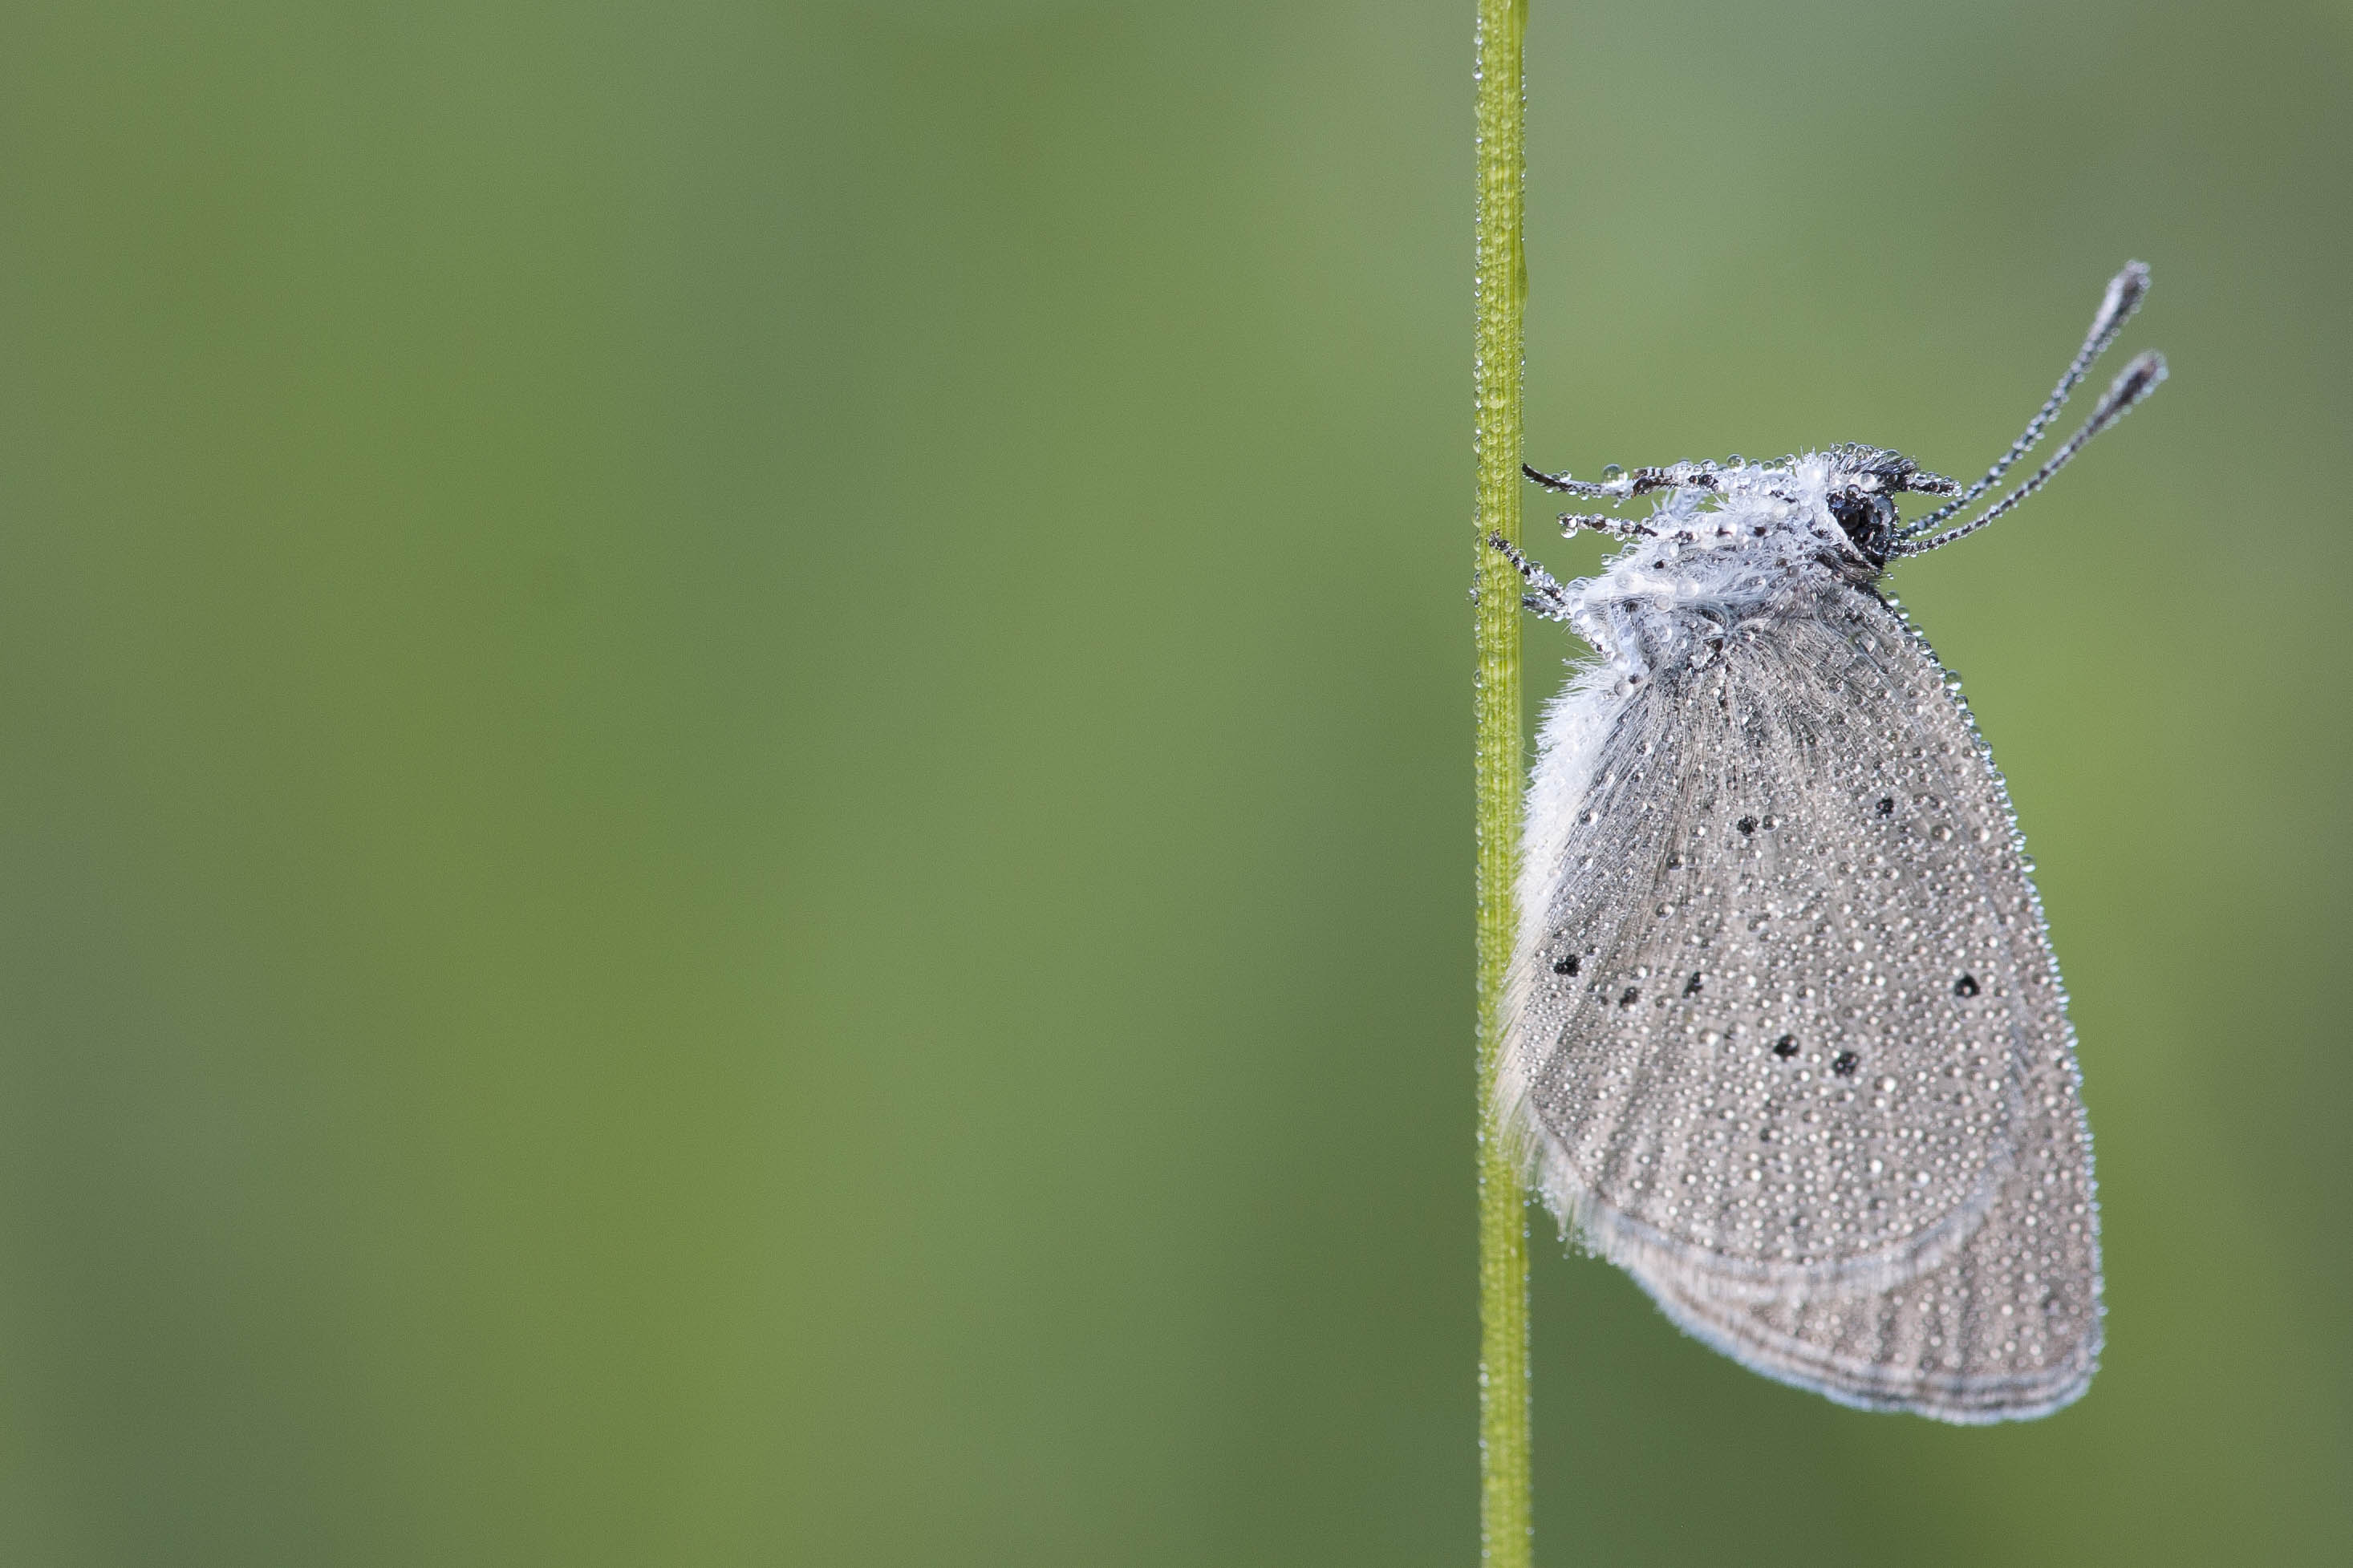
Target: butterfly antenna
x,y
2137,381
2124,297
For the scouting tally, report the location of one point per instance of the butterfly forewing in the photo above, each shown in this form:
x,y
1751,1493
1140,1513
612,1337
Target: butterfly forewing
x,y
1775,1001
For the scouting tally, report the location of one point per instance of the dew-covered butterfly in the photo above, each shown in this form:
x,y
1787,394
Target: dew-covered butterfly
x,y
1785,1037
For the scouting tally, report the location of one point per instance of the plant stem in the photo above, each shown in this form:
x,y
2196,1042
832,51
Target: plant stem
x,y
1500,289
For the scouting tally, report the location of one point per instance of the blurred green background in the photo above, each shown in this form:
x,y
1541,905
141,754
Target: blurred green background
x,y
735,772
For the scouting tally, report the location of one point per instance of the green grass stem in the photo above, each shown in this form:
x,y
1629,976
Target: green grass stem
x,y
1500,290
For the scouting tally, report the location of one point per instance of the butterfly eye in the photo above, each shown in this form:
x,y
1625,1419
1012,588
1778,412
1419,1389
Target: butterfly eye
x,y
1868,521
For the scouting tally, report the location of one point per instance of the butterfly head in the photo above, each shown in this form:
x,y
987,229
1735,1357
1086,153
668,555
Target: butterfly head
x,y
1859,487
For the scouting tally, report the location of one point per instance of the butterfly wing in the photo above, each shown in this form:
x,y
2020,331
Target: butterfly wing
x,y
2007,1330
1782,984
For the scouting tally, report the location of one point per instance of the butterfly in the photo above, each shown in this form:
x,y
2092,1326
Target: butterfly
x,y
1784,1034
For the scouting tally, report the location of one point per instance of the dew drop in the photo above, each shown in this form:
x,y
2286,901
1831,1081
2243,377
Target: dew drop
x,y
1785,1046
1567,964
1966,986
1844,1063
1747,824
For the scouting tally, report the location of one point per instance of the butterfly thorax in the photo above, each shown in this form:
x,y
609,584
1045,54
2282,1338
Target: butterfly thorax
x,y
1739,542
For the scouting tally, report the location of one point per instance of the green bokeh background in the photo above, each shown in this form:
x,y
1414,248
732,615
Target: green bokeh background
x,y
734,761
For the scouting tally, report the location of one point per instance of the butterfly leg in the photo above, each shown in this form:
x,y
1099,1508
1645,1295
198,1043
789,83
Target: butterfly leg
x,y
1617,528
1567,486
1641,482
1546,597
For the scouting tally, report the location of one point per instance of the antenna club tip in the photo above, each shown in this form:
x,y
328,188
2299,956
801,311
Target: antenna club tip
x,y
2139,378
2124,297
